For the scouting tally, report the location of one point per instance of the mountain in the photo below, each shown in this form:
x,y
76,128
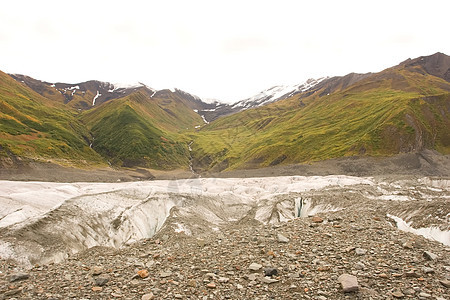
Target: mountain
x,y
276,93
144,128
437,65
35,127
265,97
403,109
82,95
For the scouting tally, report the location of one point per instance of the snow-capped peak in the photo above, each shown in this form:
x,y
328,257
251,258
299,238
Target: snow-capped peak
x,y
276,93
121,85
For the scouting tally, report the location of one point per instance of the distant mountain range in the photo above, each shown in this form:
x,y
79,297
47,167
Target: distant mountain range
x,y
404,108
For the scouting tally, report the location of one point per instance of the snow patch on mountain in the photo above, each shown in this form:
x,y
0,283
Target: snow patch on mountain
x,y
204,120
122,85
95,98
276,93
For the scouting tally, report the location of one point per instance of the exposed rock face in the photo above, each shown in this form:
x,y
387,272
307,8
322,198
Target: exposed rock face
x,y
437,64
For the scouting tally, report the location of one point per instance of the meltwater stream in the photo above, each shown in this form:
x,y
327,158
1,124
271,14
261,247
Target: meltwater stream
x,y
43,222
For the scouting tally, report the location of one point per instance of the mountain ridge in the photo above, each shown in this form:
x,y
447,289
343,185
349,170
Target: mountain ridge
x,y
402,109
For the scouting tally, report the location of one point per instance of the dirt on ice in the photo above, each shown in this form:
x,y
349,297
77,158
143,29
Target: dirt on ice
x,y
287,237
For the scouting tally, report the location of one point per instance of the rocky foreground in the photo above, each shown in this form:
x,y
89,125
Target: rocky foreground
x,y
353,253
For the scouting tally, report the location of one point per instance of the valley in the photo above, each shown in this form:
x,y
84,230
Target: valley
x,y
336,188
403,109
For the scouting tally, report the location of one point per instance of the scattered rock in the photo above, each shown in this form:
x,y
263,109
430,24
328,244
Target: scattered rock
x,y
165,274
349,283
445,283
12,292
424,295
360,251
101,281
316,219
148,296
18,276
429,255
201,242
268,280
252,277
398,294
143,273
360,266
412,273
270,271
97,270
192,283
408,245
282,239
255,267
223,279
245,260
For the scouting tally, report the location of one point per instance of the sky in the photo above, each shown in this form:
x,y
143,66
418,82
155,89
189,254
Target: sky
x,y
225,50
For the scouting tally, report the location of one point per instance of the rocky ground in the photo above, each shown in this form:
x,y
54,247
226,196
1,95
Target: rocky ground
x,y
425,163
353,253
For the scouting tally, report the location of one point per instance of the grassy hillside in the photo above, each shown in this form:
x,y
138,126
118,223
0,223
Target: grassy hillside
x,y
402,109
38,128
394,111
140,130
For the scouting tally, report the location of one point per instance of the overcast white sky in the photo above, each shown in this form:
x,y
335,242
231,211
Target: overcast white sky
x,y
228,50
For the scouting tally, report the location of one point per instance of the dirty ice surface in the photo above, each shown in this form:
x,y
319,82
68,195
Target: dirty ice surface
x,y
72,217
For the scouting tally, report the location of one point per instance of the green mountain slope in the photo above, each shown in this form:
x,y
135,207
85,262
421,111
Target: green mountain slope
x,y
141,130
35,127
402,109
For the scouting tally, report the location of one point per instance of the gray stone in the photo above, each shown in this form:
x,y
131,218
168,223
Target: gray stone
x,y
148,296
268,280
427,270
349,283
192,283
360,266
101,281
97,270
165,274
409,291
429,255
445,283
398,294
408,245
252,277
360,251
424,295
18,276
412,273
270,271
11,293
282,239
255,267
